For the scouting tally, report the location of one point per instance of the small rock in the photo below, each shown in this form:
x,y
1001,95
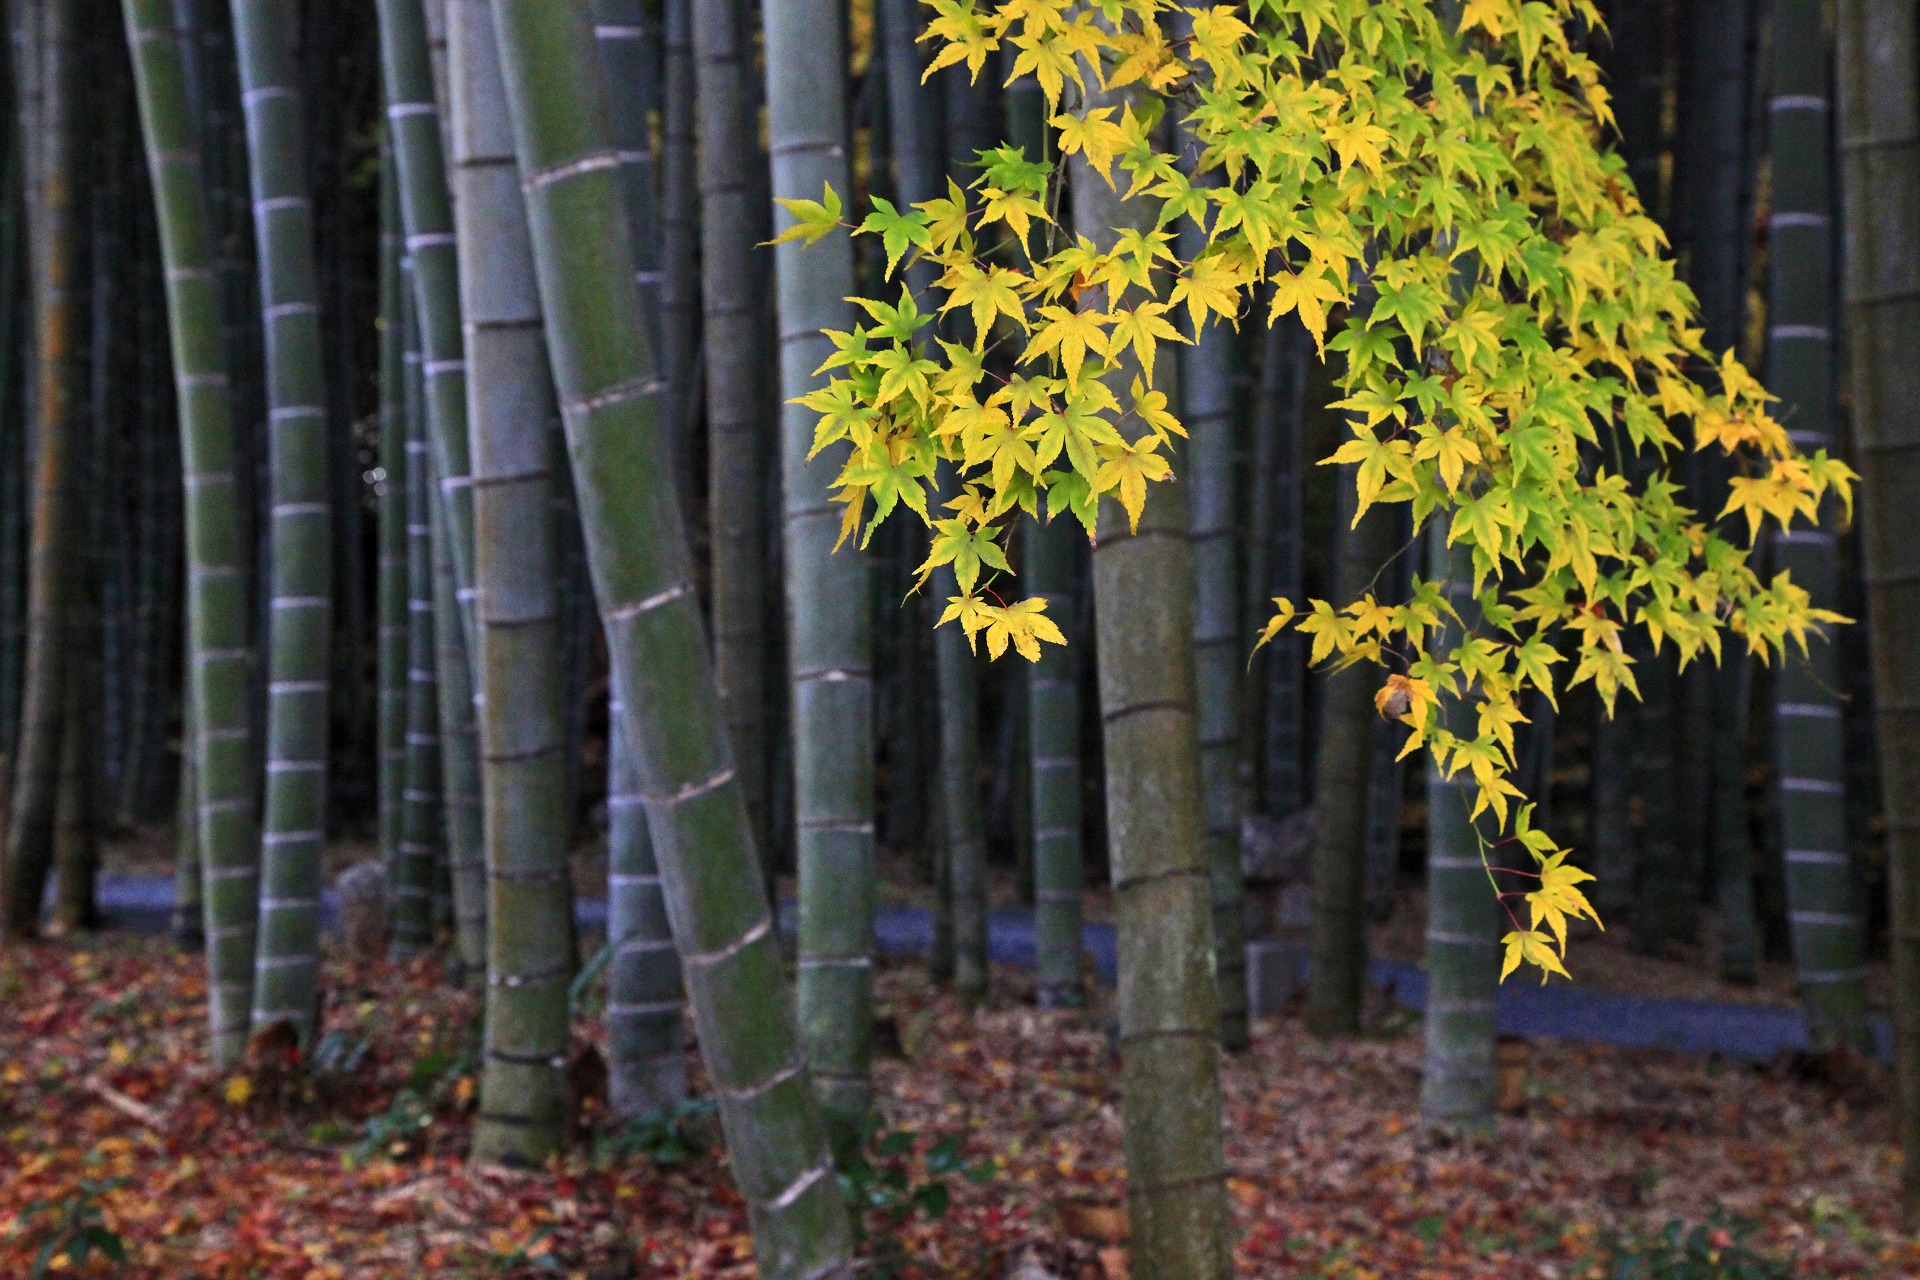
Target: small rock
x,y
362,889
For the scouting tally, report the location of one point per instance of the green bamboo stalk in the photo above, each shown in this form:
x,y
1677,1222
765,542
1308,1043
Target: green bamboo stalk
x,y
647,1065
1163,901
1053,711
393,595
1666,893
1219,642
1828,934
629,51
829,655
680,252
410,878
300,580
1336,990
642,573
646,1001
529,958
459,883
1052,572
1273,742
221,744
1463,915
735,359
426,216
54,230
962,882
1879,110
916,150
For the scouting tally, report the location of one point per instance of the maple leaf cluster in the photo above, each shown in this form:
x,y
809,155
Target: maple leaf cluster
x,y
1435,203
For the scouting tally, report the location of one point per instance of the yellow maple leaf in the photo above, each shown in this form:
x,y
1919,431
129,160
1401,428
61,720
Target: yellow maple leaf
x,y
237,1090
1532,947
1557,897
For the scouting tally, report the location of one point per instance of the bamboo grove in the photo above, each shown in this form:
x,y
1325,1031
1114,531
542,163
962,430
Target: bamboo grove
x,y
799,448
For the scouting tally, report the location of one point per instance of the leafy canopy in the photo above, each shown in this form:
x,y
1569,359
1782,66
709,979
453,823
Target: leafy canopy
x,y
1432,200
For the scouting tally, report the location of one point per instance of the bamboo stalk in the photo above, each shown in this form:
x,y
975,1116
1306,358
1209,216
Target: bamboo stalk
x,y
1162,882
1463,915
300,579
1336,989
53,227
410,878
1828,932
393,593
829,655
1879,118
221,744
642,572
529,956
735,359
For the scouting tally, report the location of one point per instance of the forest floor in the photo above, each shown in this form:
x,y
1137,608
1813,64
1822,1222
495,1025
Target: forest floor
x,y
109,1120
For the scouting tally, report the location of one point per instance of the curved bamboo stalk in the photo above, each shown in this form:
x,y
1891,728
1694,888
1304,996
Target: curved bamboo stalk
x,y
216,608
642,572
300,626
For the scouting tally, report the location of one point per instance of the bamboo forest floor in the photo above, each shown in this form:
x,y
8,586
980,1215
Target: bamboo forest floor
x,y
357,1173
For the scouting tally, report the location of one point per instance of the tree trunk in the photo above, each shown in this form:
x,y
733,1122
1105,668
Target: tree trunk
x,y
1463,916
300,625
221,746
642,572
529,901
1880,139
735,360
1163,900
1828,934
1336,991
53,228
828,636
